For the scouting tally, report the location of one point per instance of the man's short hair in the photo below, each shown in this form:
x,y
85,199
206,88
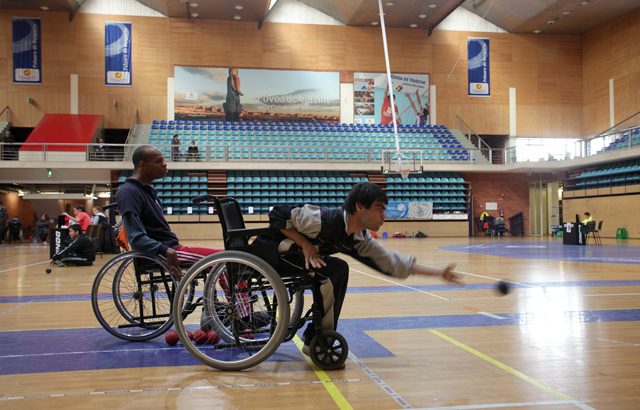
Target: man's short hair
x,y
76,228
587,213
79,207
142,154
364,193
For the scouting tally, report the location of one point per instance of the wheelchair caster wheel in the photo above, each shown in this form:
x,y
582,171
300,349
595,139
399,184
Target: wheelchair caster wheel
x,y
329,350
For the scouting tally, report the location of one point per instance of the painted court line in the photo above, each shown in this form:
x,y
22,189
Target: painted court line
x,y
512,371
400,284
501,405
41,396
492,315
498,279
324,378
24,266
378,380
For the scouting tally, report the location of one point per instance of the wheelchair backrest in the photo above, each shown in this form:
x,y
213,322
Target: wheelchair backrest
x,y
231,218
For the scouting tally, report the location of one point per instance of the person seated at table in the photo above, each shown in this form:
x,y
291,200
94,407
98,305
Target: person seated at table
x,y
587,218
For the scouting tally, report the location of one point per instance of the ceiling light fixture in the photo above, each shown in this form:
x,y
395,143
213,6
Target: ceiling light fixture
x,y
566,13
422,16
585,3
237,17
374,23
551,22
238,7
390,3
537,31
433,6
44,8
194,4
413,25
194,15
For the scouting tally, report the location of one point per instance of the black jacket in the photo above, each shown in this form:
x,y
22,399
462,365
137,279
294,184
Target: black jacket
x,y
81,247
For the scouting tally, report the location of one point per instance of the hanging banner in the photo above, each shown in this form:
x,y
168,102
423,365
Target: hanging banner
x,y
117,54
479,72
246,94
372,104
27,51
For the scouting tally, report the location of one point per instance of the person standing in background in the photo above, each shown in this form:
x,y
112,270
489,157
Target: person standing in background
x,y
3,221
43,227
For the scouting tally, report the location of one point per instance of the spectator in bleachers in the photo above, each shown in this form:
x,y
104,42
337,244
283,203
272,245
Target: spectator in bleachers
x,y
98,216
99,150
79,217
175,148
192,151
79,252
232,107
8,149
43,227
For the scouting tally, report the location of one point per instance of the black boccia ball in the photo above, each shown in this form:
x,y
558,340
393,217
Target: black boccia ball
x,y
48,270
503,287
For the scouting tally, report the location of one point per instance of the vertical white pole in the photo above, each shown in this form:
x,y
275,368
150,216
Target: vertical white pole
x,y
433,104
170,98
73,94
390,85
512,112
612,117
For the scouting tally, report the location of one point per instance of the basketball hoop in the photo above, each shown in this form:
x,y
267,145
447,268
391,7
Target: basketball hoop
x,y
404,173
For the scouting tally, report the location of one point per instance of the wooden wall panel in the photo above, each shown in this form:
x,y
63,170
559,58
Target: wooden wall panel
x,y
611,51
615,211
555,76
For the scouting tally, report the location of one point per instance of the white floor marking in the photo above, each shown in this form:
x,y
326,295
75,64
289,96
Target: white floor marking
x,y
400,284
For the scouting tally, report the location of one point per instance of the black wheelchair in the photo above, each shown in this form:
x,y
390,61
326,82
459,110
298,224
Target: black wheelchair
x,y
245,294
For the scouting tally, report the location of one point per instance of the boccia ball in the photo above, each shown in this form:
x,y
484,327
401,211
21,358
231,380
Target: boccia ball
x,y
171,338
213,337
503,287
48,270
200,337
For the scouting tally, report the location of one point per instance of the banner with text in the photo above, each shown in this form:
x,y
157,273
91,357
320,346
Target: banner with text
x,y
371,102
117,54
479,72
256,95
27,51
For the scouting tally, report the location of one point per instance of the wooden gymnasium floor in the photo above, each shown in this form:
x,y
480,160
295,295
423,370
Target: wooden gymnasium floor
x,y
567,336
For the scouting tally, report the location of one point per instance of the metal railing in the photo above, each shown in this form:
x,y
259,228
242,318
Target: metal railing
x,y
475,139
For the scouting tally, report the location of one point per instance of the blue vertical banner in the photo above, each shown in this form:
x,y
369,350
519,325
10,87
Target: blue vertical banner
x,y
479,72
27,51
117,54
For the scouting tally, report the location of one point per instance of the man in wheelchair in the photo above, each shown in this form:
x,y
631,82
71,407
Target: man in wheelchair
x,y
146,228
320,232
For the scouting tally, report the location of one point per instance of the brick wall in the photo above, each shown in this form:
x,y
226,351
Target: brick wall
x,y
510,191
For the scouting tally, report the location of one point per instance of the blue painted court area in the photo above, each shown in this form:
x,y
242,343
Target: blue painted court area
x,y
553,250
38,351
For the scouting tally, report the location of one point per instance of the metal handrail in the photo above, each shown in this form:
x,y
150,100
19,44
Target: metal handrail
x,y
475,139
6,109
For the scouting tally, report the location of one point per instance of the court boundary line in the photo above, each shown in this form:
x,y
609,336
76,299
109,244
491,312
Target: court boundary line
x,y
402,285
24,266
499,405
325,380
512,371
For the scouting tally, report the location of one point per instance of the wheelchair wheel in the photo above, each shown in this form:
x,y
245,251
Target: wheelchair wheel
x,y
329,350
244,301
296,305
131,296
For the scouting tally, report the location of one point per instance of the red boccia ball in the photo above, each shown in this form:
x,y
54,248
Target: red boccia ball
x,y
171,338
213,337
200,337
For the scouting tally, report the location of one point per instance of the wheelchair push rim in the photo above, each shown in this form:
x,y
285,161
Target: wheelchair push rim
x,y
132,303
241,298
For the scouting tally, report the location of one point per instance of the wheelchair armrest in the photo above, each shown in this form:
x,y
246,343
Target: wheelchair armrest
x,y
248,232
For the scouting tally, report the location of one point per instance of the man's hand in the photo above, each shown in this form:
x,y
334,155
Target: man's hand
x,y
311,258
51,262
172,262
450,276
